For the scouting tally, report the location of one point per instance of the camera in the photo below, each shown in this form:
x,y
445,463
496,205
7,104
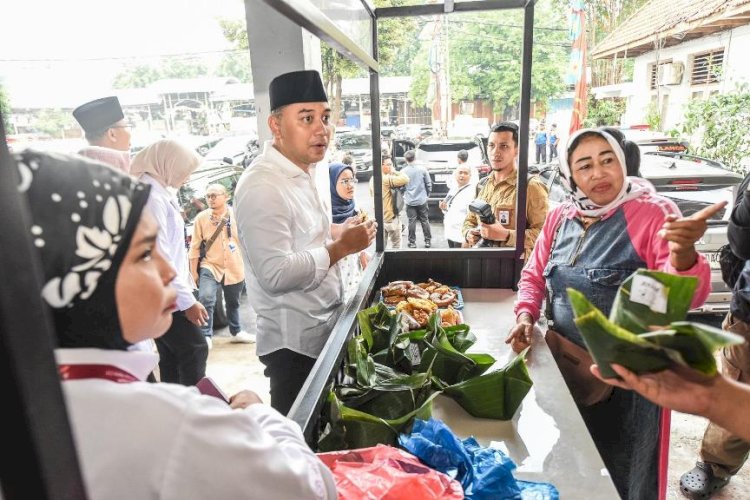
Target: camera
x,y
486,216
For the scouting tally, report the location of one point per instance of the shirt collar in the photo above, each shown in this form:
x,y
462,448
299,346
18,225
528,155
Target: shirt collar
x,y
512,179
286,165
139,363
156,186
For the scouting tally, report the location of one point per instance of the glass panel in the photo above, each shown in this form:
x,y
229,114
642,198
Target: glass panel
x,y
351,17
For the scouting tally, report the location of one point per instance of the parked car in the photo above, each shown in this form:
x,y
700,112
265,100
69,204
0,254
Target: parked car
x,y
654,141
440,159
237,150
693,183
359,146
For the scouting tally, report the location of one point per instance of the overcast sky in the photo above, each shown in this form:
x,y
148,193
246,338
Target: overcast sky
x,y
53,40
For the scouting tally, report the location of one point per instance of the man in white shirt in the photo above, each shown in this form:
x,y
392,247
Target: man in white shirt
x,y
455,206
290,246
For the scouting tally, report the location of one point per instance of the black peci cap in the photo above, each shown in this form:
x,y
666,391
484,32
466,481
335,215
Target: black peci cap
x,y
297,86
99,114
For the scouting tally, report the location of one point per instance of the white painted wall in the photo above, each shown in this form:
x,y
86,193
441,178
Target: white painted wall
x,y
736,44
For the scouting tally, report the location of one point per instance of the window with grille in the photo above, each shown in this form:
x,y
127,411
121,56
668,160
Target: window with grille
x,y
707,68
653,76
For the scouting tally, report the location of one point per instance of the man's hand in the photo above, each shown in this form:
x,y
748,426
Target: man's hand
x,y
682,233
679,388
364,259
197,314
472,237
494,232
519,337
354,237
243,399
443,206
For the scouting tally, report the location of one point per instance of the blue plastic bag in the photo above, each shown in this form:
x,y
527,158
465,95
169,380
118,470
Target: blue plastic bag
x,y
484,473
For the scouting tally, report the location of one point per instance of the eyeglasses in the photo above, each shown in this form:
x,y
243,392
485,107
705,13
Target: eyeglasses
x,y
348,182
211,196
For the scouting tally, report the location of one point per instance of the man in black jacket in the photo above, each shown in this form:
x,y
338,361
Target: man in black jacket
x,y
722,453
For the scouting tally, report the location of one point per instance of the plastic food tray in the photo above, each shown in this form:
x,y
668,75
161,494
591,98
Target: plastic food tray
x,y
458,305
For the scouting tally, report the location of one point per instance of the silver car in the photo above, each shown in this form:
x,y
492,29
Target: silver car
x,y
692,183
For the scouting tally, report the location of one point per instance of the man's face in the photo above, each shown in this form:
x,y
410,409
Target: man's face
x,y
463,174
502,150
216,198
301,132
387,166
119,136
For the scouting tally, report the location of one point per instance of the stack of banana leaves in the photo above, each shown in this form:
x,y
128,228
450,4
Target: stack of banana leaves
x,y
393,375
646,331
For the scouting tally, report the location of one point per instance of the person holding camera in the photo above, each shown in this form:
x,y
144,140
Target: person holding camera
x,y
216,261
499,190
392,182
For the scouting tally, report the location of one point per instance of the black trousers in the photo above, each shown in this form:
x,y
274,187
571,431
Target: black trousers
x,y
183,352
419,212
287,371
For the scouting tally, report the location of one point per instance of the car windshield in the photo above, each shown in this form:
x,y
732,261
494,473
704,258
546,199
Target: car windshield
x,y
355,142
228,148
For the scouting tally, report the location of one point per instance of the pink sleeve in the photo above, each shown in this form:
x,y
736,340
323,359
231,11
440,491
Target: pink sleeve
x,y
644,220
531,286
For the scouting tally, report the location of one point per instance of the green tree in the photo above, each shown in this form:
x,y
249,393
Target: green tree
x,y
178,68
237,62
603,112
485,58
393,36
54,122
5,108
137,76
721,124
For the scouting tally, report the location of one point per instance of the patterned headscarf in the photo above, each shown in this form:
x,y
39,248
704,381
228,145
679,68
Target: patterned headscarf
x,y
341,209
169,162
632,187
83,216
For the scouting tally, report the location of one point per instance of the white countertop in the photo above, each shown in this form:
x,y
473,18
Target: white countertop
x,y
547,437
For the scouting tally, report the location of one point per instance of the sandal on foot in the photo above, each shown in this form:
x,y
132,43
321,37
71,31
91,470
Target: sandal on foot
x,y
701,482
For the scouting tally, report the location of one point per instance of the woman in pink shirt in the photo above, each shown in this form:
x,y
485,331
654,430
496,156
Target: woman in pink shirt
x,y
610,226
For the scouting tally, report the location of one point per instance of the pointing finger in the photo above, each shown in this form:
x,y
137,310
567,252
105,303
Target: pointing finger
x,y
709,212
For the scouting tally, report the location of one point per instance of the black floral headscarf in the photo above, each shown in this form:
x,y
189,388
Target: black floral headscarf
x,y
83,216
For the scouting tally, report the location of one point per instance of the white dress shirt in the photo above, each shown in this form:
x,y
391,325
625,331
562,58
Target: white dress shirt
x,y
283,229
171,238
168,441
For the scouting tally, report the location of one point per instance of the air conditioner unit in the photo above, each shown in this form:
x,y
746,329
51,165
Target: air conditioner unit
x,y
671,73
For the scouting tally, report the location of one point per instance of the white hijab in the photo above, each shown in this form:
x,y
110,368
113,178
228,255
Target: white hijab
x,y
168,161
632,187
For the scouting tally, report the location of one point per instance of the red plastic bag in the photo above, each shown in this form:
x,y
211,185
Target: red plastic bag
x,y
387,473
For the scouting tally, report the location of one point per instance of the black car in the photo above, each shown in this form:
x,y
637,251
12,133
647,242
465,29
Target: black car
x,y
359,146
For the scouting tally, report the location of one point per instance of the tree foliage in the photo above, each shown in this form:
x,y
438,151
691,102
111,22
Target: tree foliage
x,y
141,75
721,125
4,107
485,58
603,112
54,122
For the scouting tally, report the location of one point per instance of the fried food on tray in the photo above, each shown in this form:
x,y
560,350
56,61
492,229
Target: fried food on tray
x,y
443,296
449,317
419,309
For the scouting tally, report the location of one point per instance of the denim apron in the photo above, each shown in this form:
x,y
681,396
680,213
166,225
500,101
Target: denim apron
x,y
625,428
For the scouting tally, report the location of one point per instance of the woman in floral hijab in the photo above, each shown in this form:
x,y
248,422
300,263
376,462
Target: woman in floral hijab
x,y
108,286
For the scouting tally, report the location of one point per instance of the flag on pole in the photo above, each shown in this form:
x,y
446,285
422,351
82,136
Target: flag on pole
x,y
577,70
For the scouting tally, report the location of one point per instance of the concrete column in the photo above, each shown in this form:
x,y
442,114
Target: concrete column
x,y
277,46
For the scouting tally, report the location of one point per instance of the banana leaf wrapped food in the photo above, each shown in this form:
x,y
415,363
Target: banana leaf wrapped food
x,y
645,332
393,374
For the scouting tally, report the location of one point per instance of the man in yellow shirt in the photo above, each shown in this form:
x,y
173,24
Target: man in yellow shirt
x,y
499,190
222,264
391,219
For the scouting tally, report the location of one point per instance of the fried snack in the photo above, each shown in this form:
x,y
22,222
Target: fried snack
x,y
449,317
430,286
424,304
419,309
417,293
394,299
445,298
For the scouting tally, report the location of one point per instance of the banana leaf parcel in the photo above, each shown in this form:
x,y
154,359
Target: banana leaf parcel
x,y
644,332
392,375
